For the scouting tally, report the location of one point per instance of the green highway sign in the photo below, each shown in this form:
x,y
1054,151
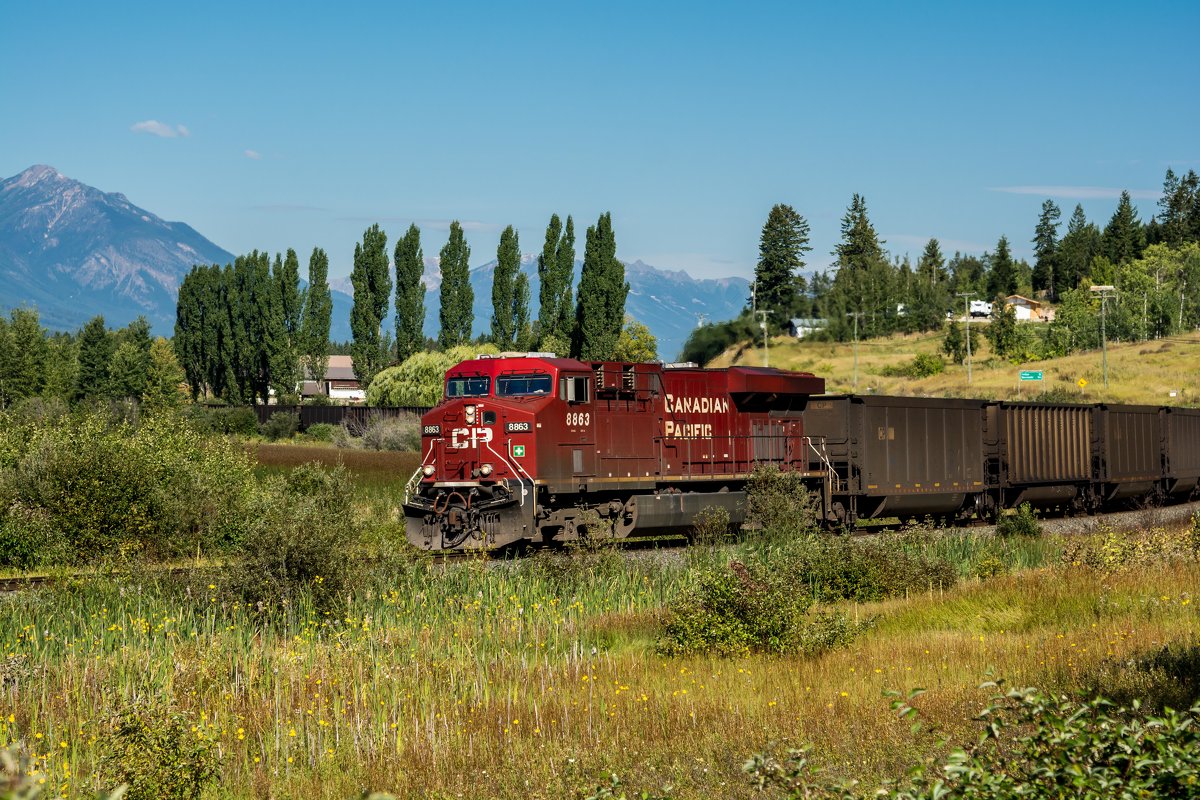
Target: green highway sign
x,y
1031,374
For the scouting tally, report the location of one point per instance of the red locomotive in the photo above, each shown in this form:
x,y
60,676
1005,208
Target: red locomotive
x,y
534,448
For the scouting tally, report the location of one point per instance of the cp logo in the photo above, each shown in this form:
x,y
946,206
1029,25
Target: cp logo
x,y
460,437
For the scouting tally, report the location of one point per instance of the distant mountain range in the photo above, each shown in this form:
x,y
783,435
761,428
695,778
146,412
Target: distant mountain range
x,y
74,251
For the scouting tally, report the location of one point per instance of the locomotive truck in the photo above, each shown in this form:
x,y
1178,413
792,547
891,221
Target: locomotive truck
x,y
531,448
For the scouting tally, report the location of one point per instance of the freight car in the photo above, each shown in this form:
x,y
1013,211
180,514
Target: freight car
x,y
531,448
534,448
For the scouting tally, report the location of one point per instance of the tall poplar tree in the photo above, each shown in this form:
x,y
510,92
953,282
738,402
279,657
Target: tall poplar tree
x,y
522,330
372,281
317,317
286,373
564,277
508,265
1045,248
600,313
457,297
548,292
410,294
781,250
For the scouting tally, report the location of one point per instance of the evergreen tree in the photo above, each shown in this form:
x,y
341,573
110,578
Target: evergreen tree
x,y
457,297
1123,239
372,281
129,366
1045,248
1002,277
1079,245
410,294
1179,209
863,282
96,348
25,372
955,343
318,312
930,290
600,313
781,249
62,368
508,264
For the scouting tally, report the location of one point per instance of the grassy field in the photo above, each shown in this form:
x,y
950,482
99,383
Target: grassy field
x,y
538,679
1142,372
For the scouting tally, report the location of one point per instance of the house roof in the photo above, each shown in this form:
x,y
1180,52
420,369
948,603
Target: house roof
x,y
1015,299
340,368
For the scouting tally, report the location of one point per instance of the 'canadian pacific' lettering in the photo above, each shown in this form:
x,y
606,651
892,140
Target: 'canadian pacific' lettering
x,y
697,405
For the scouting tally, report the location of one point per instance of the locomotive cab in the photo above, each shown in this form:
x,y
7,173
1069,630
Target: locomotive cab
x,y
475,485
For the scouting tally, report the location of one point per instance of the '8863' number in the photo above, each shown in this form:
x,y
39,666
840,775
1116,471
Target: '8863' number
x,y
581,418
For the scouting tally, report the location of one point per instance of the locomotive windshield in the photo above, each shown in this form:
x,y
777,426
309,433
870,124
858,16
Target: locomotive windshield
x,y
520,385
476,386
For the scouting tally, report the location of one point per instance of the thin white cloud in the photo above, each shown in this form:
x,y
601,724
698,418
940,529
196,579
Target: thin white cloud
x,y
1078,192
253,155
162,130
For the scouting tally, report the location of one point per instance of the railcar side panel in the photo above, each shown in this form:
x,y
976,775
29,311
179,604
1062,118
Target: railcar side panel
x,y
1182,435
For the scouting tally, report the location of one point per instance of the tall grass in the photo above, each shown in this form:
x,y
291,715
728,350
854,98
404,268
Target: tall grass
x,y
532,679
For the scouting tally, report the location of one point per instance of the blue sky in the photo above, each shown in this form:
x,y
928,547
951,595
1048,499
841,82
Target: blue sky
x,y
293,125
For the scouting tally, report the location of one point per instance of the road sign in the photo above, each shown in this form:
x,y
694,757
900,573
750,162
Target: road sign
x,y
1031,374
1082,382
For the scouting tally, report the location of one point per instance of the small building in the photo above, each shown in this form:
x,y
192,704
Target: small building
x,y
801,327
1028,310
338,383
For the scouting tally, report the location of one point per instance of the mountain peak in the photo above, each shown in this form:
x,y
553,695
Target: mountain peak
x,y
74,251
36,174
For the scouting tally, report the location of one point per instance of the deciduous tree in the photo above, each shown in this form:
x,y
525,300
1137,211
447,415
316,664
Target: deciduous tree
x,y
410,294
457,297
372,281
600,313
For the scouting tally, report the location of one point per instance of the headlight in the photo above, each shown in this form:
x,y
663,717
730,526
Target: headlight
x,y
427,470
485,469
470,414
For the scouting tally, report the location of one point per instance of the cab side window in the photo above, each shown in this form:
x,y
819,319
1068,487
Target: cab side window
x,y
574,389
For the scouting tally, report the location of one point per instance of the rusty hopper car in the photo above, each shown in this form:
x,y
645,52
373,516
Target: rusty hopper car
x,y
897,456
534,448
1041,454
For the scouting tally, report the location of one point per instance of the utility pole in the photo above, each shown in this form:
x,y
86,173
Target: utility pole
x,y
763,324
967,308
856,315
1104,292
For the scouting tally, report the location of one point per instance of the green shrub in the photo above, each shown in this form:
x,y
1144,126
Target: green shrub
x,y
1165,677
236,420
281,425
1032,745
152,749
1023,522
96,489
320,432
303,545
778,502
921,365
712,526
740,608
833,568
